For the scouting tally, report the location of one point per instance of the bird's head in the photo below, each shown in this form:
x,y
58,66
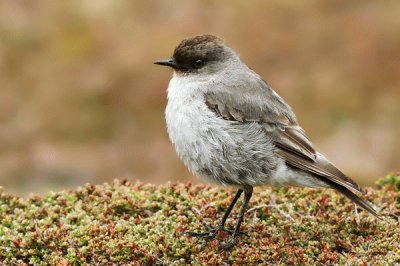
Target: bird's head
x,y
205,54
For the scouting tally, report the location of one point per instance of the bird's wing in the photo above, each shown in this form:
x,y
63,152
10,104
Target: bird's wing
x,y
257,102
253,100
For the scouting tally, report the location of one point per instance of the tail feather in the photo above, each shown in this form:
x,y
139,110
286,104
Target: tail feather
x,y
324,170
321,168
356,199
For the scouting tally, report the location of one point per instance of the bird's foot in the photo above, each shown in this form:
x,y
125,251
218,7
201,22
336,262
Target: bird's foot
x,y
212,232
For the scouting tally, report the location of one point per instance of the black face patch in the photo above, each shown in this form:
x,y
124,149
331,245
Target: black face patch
x,y
194,53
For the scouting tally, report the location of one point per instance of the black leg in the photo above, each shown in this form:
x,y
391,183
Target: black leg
x,y
212,232
228,211
232,242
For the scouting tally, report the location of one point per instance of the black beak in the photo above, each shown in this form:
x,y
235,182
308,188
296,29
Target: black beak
x,y
167,62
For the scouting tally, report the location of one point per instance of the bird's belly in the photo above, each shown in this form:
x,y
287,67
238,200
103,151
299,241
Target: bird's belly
x,y
225,152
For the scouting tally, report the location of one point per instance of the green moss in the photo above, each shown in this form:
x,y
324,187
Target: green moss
x,y
391,181
142,224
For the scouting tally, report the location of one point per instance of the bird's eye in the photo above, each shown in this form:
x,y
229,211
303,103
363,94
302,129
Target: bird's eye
x,y
198,63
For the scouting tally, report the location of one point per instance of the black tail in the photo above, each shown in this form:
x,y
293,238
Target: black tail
x,y
359,201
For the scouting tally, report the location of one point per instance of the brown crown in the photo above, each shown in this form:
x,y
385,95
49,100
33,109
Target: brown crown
x,y
203,46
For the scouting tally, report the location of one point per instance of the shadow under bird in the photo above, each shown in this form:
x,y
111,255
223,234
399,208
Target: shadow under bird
x,y
229,127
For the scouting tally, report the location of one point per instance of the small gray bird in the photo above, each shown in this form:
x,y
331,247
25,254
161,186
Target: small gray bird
x,y
229,127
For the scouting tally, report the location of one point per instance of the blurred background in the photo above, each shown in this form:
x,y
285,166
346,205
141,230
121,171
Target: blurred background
x,y
81,101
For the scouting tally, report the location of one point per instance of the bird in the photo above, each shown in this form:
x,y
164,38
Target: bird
x,y
231,128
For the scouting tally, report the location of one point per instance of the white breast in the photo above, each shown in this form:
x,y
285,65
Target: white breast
x,y
187,117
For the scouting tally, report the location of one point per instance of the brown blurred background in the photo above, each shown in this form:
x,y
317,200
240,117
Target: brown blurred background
x,y
81,101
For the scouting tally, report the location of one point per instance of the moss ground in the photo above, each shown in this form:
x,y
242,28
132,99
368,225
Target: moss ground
x,y
139,224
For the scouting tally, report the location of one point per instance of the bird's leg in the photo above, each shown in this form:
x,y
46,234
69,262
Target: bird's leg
x,y
232,242
212,232
230,207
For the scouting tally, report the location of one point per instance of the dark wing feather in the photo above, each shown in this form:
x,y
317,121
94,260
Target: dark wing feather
x,y
293,140
322,168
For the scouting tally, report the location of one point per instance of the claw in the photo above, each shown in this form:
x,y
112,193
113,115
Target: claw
x,y
212,232
239,233
209,234
228,245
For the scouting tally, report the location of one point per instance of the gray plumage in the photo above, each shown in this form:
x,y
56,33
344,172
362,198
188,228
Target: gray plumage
x,y
230,127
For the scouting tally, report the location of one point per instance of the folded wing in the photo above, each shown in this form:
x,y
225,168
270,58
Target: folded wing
x,y
259,103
